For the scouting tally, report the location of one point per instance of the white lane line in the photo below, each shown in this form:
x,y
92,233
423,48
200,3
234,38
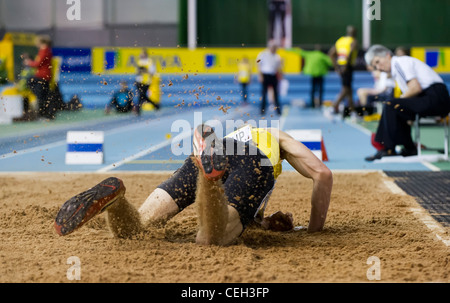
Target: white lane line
x,y
358,127
432,225
439,232
284,115
144,152
394,188
33,149
116,130
425,163
431,166
156,147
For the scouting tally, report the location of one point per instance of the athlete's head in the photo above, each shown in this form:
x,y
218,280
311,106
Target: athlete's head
x,y
351,31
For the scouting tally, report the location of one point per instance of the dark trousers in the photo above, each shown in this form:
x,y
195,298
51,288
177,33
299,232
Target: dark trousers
x,y
41,89
276,8
393,128
142,96
316,87
244,91
270,80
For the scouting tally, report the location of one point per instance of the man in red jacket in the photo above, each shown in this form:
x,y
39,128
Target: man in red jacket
x,y
40,82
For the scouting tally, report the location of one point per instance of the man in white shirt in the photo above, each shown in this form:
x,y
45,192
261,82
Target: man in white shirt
x,y
423,92
269,68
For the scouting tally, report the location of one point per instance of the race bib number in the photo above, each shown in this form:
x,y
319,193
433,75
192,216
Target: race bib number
x,y
243,134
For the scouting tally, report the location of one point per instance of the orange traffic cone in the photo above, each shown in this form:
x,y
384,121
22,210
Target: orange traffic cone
x,y
324,151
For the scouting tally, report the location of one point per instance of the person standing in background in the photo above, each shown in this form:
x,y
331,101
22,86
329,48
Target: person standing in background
x,y
145,72
317,65
269,68
244,77
39,84
343,54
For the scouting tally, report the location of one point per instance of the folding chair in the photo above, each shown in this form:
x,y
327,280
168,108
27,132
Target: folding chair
x,y
446,133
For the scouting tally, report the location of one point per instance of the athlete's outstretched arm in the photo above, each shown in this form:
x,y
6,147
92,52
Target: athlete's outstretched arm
x,y
308,165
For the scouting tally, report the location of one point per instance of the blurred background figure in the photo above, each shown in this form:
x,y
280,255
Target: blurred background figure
x,y
39,84
146,69
382,90
278,10
122,100
343,54
244,77
316,65
270,73
3,71
401,51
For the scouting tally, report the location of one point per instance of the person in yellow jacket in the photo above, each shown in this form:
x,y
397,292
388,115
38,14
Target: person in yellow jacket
x,y
343,54
244,77
230,179
146,69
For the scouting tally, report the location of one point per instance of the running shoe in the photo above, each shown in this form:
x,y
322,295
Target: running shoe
x,y
82,207
209,153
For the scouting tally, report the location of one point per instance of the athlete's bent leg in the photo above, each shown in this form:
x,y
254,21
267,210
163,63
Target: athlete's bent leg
x,y
219,223
125,221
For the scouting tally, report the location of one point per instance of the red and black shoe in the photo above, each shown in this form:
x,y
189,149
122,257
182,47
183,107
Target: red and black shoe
x,y
209,153
82,207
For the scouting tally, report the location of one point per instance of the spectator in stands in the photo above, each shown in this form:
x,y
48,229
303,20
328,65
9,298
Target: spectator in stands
x,y
145,72
316,65
270,73
382,91
423,92
244,77
39,84
343,54
122,100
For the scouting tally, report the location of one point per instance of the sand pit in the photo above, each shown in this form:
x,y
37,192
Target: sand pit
x,y
365,219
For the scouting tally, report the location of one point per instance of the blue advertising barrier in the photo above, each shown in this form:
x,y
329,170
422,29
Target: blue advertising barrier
x,y
74,59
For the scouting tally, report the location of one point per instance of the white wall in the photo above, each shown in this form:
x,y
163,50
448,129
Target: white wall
x,y
145,11
23,14
46,14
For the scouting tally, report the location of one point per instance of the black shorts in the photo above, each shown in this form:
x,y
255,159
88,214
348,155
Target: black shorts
x,y
347,76
246,182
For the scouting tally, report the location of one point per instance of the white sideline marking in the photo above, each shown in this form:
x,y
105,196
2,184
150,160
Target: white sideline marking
x,y
33,149
424,159
284,115
431,166
143,153
156,147
394,187
358,127
421,214
432,224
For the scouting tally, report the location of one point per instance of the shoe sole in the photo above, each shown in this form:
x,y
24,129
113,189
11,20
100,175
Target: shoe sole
x,y
212,164
81,208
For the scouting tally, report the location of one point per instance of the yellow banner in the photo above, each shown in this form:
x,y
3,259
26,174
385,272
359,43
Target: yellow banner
x,y
181,60
437,58
27,39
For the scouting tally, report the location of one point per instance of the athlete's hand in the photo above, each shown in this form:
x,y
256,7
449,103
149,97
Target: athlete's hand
x,y
278,221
